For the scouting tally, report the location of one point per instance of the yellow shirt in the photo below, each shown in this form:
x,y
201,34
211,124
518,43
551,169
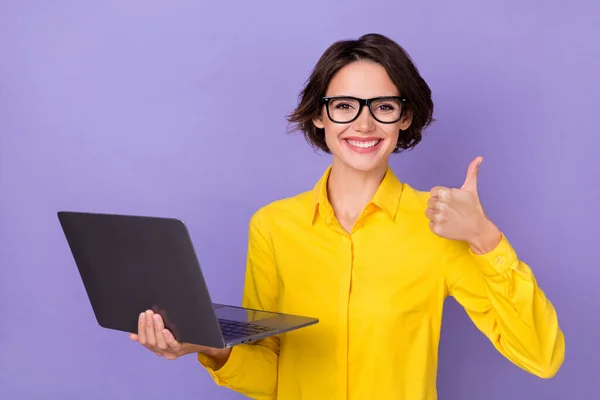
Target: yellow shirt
x,y
379,294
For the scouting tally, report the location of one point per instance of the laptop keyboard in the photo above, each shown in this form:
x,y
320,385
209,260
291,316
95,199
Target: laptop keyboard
x,y
234,329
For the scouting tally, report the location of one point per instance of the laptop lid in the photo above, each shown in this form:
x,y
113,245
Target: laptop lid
x,y
129,264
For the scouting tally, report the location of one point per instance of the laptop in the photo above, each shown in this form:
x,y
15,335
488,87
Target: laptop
x,y
129,264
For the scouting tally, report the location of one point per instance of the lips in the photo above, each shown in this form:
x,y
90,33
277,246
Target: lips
x,y
363,145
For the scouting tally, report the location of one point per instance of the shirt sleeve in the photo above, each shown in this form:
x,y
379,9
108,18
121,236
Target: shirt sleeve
x,y
501,296
252,368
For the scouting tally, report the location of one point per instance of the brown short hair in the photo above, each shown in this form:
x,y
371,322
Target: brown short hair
x,y
400,68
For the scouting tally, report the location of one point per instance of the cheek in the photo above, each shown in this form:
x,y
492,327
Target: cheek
x,y
392,133
332,131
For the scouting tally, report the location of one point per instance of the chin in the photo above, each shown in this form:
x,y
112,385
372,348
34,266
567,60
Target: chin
x,y
365,166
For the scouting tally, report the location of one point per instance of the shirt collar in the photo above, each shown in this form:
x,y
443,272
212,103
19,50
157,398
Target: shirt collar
x,y
387,196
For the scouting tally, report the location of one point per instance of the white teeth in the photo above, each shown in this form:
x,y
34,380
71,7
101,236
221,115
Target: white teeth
x,y
361,144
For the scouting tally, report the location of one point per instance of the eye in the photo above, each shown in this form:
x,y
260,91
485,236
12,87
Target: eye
x,y
385,108
343,106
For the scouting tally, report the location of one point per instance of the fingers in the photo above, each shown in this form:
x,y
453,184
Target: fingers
x,y
441,193
174,347
431,214
435,227
145,335
149,325
153,335
142,329
437,204
437,207
159,327
170,341
434,216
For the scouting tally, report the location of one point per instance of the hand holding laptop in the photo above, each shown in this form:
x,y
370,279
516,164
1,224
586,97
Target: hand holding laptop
x,y
153,335
131,263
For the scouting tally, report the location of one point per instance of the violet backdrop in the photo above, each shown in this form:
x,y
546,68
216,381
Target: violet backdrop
x,y
177,109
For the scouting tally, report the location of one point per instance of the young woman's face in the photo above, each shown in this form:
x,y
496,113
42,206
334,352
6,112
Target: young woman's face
x,y
365,143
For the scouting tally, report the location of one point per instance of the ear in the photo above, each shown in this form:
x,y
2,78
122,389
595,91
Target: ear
x,y
406,120
318,121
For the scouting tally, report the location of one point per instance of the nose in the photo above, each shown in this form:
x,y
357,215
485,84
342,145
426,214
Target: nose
x,y
365,121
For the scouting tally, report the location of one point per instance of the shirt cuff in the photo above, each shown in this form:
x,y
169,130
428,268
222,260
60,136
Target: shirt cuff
x,y
499,260
227,371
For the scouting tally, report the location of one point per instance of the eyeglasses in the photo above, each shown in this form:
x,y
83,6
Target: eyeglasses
x,y
345,109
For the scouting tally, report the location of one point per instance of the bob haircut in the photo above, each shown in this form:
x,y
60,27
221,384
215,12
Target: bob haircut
x,y
401,70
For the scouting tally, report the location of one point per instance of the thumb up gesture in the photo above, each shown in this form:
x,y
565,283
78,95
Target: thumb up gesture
x,y
457,214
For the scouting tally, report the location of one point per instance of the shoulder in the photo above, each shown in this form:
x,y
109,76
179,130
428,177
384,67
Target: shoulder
x,y
414,201
289,210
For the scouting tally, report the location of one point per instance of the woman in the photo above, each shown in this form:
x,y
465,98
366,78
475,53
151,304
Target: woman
x,y
371,257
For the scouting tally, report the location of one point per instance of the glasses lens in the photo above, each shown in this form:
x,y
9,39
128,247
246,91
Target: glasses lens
x,y
343,109
387,109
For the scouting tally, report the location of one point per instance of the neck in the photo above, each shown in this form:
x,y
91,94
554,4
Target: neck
x,y
350,191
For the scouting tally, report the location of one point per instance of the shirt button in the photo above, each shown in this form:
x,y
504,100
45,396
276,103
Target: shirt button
x,y
499,260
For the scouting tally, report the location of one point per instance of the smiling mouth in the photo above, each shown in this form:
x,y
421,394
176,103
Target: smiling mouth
x,y
363,144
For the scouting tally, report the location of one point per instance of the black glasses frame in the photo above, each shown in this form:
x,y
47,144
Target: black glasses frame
x,y
363,103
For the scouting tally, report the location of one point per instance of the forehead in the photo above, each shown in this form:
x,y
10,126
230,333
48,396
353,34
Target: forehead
x,y
364,79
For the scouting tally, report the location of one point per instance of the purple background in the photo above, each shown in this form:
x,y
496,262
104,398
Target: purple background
x,y
177,109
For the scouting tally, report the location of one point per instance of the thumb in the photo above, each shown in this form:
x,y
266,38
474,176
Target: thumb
x,y
472,174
